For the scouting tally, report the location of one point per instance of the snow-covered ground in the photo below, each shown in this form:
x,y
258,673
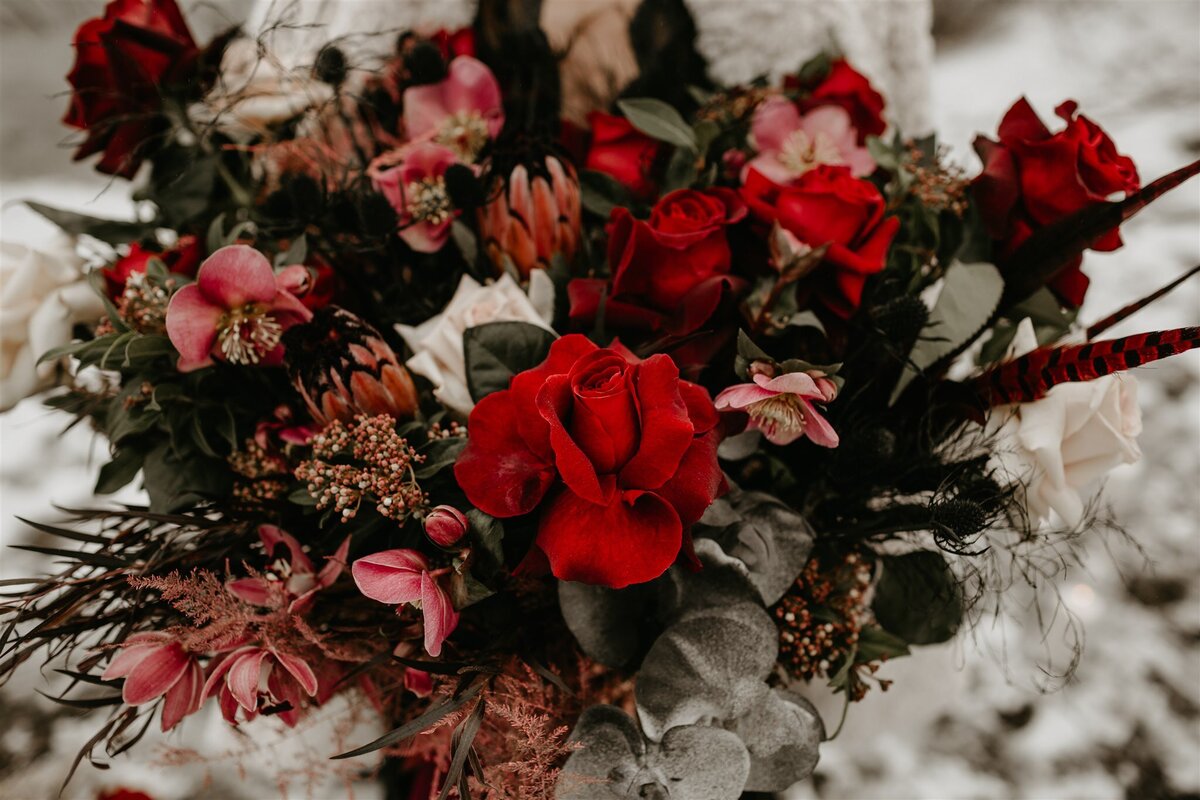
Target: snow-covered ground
x,y
964,720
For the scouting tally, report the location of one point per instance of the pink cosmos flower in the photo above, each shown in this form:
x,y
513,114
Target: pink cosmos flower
x,y
416,189
296,580
403,576
782,408
259,678
235,311
789,144
155,664
461,112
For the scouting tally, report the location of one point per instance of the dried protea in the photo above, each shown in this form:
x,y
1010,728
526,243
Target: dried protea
x,y
342,367
533,217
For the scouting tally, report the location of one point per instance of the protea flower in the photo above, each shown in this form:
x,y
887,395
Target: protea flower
x,y
533,217
342,367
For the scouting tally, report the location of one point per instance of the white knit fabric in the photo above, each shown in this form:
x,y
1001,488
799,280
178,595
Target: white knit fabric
x,y
888,40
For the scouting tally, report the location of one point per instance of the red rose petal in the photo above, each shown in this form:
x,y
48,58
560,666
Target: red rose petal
x,y
633,538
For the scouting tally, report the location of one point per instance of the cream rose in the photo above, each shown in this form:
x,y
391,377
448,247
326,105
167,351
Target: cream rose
x,y
1061,444
438,342
43,295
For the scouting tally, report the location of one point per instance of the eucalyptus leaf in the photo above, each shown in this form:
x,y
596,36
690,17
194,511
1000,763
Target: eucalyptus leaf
x,y
612,626
710,665
771,540
496,351
782,734
658,120
615,760
600,192
969,295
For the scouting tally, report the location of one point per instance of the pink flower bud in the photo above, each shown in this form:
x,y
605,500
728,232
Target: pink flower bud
x,y
445,525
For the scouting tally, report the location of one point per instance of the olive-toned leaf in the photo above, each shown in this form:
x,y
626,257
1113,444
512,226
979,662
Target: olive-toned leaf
x,y
918,599
658,120
496,351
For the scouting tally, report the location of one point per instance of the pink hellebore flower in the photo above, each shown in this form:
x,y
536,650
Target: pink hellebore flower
x,y
789,144
260,678
461,112
416,189
236,311
297,578
782,408
403,576
153,665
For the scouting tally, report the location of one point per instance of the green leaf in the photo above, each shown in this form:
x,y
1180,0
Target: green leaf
x,y
296,253
496,351
487,538
600,193
874,644
439,454
112,231
659,121
747,353
969,295
465,241
918,598
117,473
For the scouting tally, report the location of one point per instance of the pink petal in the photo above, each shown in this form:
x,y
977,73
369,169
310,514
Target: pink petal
x,y
740,396
272,536
800,383
817,428
418,682
771,168
393,576
288,309
255,591
469,86
440,617
154,675
425,237
774,121
244,677
192,327
236,275
127,659
334,565
299,669
425,160
184,697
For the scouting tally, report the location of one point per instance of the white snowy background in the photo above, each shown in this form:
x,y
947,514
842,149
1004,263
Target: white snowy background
x,y
963,720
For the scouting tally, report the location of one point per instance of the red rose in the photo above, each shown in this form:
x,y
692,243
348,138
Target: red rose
x,y
846,87
122,62
622,151
827,205
669,271
620,456
182,259
1032,177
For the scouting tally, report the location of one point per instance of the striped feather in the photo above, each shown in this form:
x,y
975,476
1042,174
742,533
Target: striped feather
x,y
1100,327
1029,377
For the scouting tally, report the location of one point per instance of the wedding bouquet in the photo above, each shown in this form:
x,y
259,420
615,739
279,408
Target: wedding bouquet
x,y
573,453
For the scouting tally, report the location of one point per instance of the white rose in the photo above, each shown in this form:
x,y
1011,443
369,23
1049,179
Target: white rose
x,y
438,342
1061,444
43,295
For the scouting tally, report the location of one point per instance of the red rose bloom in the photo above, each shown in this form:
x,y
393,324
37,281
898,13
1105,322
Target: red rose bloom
x,y
622,151
827,205
122,62
1032,177
669,271
846,87
182,259
620,456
